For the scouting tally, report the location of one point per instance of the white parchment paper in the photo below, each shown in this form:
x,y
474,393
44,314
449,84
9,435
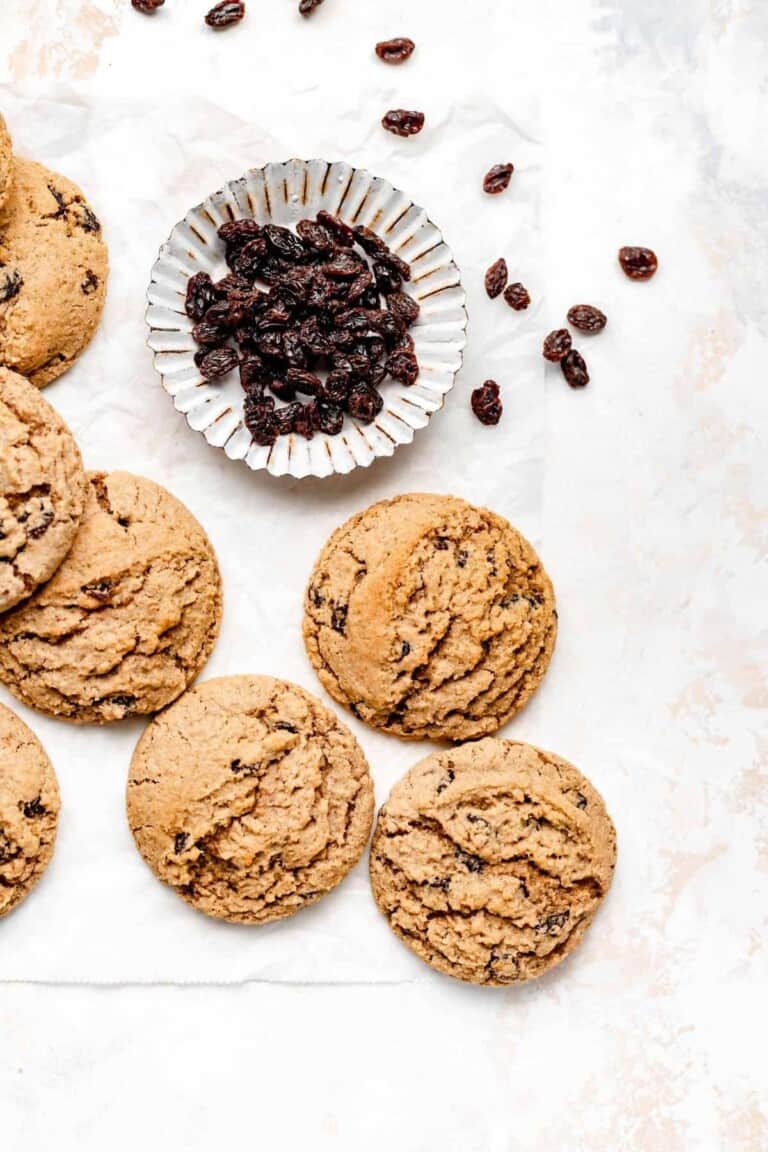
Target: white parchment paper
x,y
99,915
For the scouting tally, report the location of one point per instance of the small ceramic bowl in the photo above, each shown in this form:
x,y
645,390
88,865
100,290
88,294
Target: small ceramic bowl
x,y
284,194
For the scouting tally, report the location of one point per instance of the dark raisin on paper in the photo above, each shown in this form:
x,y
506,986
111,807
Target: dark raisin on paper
x,y
556,345
486,403
574,369
225,14
307,7
147,6
496,278
403,122
638,263
517,296
395,51
587,318
498,178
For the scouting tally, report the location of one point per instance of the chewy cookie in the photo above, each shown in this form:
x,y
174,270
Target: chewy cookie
x,y
490,860
29,810
53,273
249,798
42,489
429,617
129,618
6,159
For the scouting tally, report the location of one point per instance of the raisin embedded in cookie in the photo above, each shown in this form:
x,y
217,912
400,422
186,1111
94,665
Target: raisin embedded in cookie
x,y
429,617
129,618
42,489
490,860
6,159
53,273
249,798
29,810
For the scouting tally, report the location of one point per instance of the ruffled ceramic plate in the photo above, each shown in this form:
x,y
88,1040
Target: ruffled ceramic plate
x,y
284,194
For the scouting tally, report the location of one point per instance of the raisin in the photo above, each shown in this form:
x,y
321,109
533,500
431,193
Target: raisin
x,y
339,618
316,235
253,372
90,283
218,362
305,382
147,6
575,369
404,307
260,421
638,263
517,297
304,422
388,279
552,924
497,178
405,649
10,285
556,345
34,808
471,862
236,233
364,403
201,295
581,800
231,283
225,14
341,232
284,243
307,7
403,366
395,51
587,318
328,418
180,841
486,403
496,278
402,122
345,265
370,242
206,333
336,387
246,261
88,220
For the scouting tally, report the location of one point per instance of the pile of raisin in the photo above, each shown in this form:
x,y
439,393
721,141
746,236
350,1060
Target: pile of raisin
x,y
317,313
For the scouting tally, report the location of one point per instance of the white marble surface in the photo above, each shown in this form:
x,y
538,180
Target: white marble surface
x,y
650,508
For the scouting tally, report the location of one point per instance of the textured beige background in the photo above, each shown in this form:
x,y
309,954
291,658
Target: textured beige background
x,y
653,523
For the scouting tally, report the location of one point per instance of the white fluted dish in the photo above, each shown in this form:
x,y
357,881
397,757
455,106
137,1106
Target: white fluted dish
x,y
284,194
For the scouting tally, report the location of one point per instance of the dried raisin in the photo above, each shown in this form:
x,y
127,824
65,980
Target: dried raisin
x,y
307,7
638,263
496,278
498,178
575,369
557,345
587,318
402,122
225,14
395,51
486,403
147,6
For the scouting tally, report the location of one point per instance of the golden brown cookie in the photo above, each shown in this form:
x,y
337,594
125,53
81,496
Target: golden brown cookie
x,y
489,860
53,273
249,798
129,618
429,617
29,810
42,489
6,159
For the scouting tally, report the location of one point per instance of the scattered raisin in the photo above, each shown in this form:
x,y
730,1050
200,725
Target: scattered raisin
x,y
147,6
575,369
486,403
404,307
498,178
307,7
587,318
364,403
638,263
395,51
402,122
342,233
517,296
496,278
557,345
201,295
226,13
